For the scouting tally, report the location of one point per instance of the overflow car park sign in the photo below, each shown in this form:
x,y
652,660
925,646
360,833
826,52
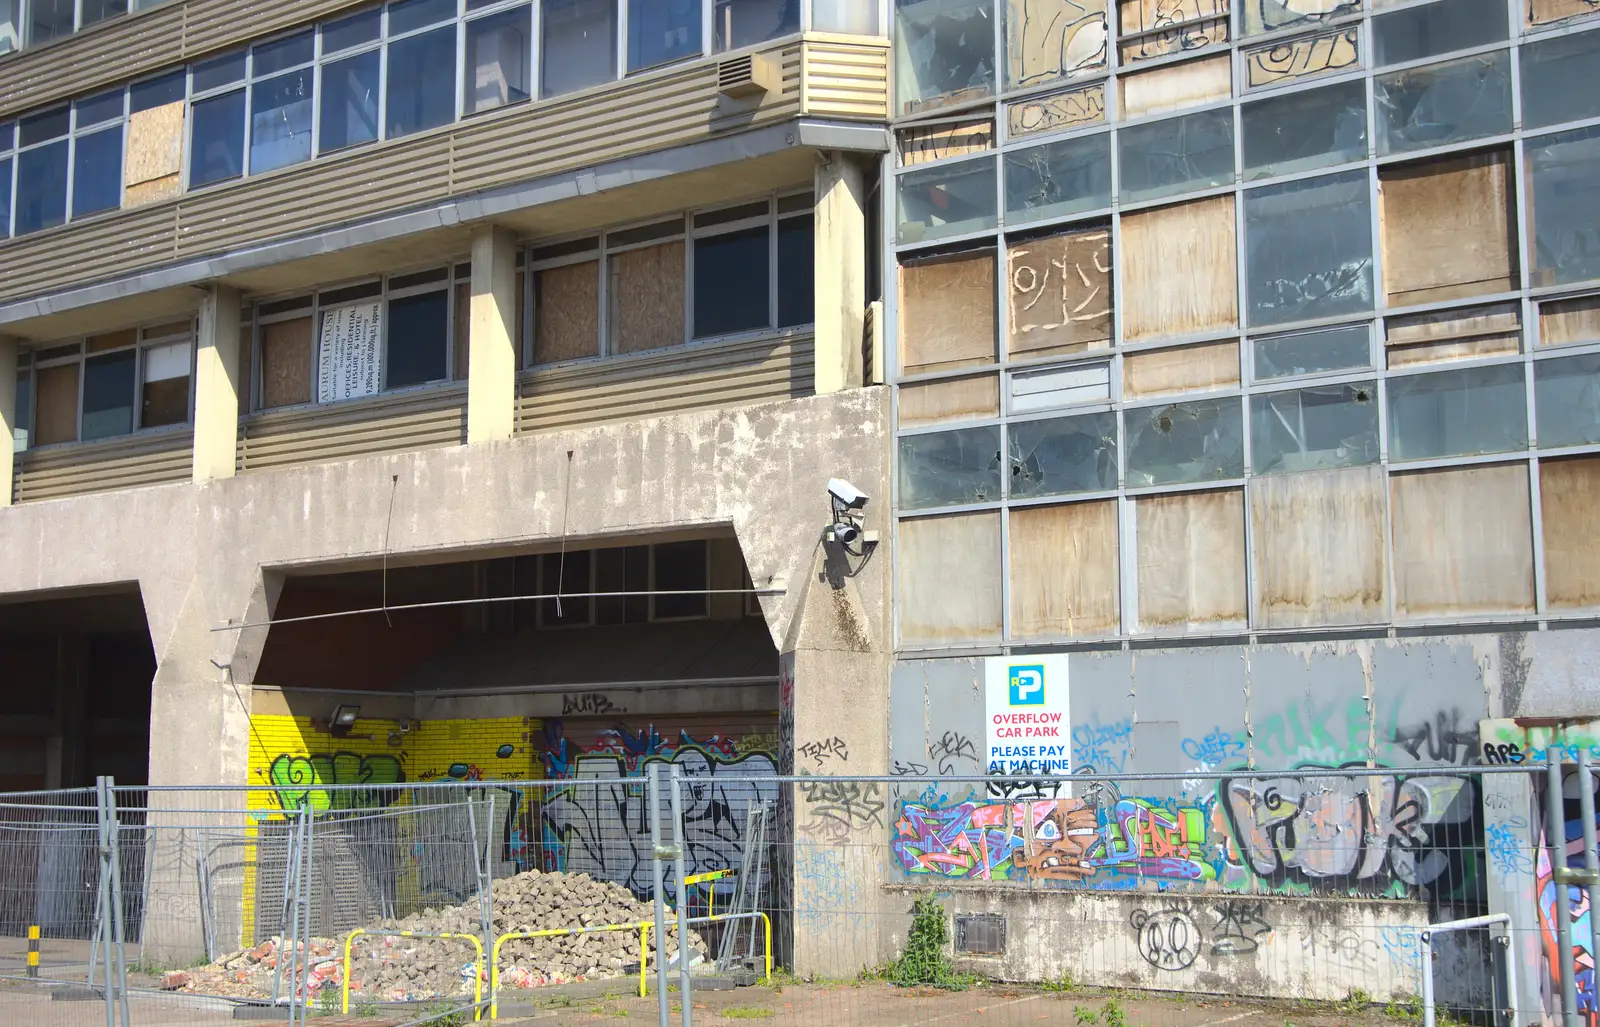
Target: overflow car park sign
x,y
1028,728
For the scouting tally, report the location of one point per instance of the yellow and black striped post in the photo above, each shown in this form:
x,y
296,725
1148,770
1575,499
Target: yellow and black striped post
x,y
33,950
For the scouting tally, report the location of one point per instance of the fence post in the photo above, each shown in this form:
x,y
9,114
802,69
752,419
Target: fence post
x,y
663,1008
118,939
684,1004
1591,859
1555,833
103,920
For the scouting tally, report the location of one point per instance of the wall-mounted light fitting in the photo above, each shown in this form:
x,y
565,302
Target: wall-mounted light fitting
x,y
343,719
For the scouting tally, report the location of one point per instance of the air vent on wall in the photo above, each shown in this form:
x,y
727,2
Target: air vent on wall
x,y
981,934
750,75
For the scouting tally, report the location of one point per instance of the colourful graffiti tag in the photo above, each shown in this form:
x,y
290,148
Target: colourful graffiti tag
x,y
1583,955
1143,838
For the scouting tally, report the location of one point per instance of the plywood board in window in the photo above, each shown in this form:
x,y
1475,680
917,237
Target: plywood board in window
x,y
1059,291
1175,26
111,340
1054,112
1574,320
155,144
1541,12
566,322
1051,39
935,142
1191,561
1569,495
1306,57
153,191
1176,86
959,399
1319,547
1209,365
1179,270
947,315
1463,541
55,405
646,298
286,363
1447,228
1064,570
1453,335
947,571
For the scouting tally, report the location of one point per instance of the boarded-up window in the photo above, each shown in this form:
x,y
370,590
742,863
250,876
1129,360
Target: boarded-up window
x,y
1574,320
1150,27
1059,291
55,412
1306,57
961,399
1191,561
1447,229
1048,40
1453,335
1177,86
936,142
150,171
1179,271
1318,547
1463,541
566,307
947,316
1210,365
645,298
948,579
1543,11
286,363
1056,111
1064,570
1569,493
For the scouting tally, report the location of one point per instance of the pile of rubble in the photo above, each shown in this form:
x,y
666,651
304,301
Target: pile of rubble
x,y
387,968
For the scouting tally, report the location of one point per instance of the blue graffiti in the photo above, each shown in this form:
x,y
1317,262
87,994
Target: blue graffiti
x,y
1103,747
1214,748
1509,848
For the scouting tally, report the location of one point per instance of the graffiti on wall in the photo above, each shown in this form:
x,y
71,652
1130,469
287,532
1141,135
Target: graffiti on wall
x,y
301,781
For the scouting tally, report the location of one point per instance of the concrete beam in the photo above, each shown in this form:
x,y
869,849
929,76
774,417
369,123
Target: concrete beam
x,y
216,383
841,272
492,362
8,415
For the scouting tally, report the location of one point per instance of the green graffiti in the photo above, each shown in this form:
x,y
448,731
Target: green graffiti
x,y
301,780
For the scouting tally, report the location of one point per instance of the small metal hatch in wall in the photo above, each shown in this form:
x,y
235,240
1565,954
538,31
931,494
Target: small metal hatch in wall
x,y
981,934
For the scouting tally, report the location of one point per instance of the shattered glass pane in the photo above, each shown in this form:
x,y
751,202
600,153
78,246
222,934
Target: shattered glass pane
x,y
1185,442
1178,155
1458,413
1443,103
1313,429
950,468
1565,169
1558,77
1307,130
1566,400
1417,33
1064,454
945,50
1309,249
947,200
1058,178
1270,15
1329,349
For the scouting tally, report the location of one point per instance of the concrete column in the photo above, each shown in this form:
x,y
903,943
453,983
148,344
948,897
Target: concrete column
x,y
840,272
8,415
216,385
492,362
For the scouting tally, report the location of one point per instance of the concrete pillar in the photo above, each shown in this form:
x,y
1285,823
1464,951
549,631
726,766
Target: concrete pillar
x,y
8,415
840,272
492,363
216,385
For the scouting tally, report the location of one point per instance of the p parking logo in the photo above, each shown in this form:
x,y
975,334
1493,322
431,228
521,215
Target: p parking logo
x,y
1027,685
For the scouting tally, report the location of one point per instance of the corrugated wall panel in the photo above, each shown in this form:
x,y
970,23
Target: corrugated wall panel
x,y
102,467
392,424
846,80
215,24
96,249
118,51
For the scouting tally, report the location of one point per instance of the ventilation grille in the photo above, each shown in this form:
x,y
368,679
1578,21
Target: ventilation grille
x,y
981,934
750,75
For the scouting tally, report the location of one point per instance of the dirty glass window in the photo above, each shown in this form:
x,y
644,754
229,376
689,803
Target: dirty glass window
x,y
1177,155
578,44
851,16
945,52
950,199
1057,179
1270,15
1329,349
49,19
499,48
1063,454
349,102
1565,169
1308,249
1566,400
1313,429
1558,77
216,132
1443,103
421,82
1418,33
1178,443
1301,131
108,388
950,468
660,31
1458,413
737,23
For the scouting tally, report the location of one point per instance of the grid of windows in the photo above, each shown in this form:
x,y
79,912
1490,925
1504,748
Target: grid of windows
x,y
1206,337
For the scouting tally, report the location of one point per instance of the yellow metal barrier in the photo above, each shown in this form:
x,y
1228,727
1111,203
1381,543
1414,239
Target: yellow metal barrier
x,y
644,945
477,976
711,893
494,956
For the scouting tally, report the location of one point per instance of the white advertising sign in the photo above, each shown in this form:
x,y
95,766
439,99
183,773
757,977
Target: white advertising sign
x,y
1028,728
350,352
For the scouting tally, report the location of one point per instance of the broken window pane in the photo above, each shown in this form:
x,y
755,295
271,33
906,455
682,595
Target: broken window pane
x,y
1558,77
1048,40
1270,15
1066,454
950,468
1565,169
1309,249
1314,429
1306,130
1566,400
1458,413
1443,103
1417,33
1329,349
1176,156
1058,178
1185,442
945,51
947,200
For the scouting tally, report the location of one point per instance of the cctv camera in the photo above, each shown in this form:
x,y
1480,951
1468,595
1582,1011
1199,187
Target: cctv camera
x,y
848,496
844,532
